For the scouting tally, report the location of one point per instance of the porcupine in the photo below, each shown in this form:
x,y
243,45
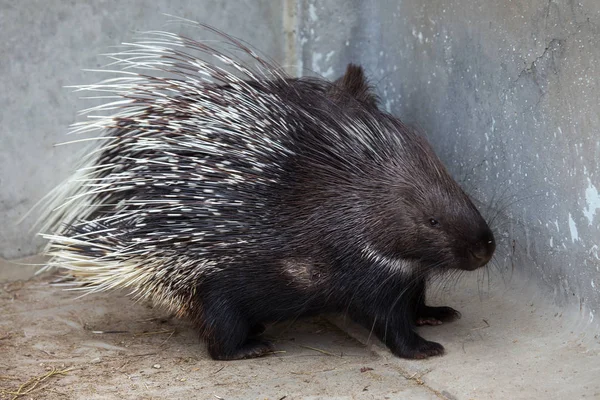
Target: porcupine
x,y
237,196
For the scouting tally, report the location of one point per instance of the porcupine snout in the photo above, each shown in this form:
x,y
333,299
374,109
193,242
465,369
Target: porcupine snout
x,y
482,251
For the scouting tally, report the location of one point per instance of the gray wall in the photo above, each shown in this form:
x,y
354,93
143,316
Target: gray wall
x,y
507,92
509,95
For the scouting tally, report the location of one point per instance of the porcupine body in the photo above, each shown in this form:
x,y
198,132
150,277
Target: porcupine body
x,y
238,196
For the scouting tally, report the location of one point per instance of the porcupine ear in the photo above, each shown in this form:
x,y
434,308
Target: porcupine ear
x,y
355,84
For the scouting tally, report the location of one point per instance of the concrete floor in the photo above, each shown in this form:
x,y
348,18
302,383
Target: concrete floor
x,y
508,345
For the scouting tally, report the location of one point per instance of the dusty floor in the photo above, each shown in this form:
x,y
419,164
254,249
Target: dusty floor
x,y
506,346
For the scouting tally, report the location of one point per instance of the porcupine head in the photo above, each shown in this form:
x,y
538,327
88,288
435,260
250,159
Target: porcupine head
x,y
239,202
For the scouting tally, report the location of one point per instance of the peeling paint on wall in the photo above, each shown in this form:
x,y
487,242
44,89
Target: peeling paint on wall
x,y
573,229
592,198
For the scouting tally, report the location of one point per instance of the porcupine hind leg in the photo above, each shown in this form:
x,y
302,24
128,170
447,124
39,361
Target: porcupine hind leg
x,y
228,334
426,315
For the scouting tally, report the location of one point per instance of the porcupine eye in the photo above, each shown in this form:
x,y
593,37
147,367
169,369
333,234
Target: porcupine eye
x,y
434,222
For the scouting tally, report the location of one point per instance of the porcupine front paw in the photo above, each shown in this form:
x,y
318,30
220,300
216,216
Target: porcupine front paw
x,y
420,350
253,348
436,315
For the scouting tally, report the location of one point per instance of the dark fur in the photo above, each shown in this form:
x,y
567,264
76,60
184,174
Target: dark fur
x,y
339,196
334,197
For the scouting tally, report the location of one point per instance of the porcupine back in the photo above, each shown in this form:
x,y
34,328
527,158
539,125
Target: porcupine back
x,y
195,167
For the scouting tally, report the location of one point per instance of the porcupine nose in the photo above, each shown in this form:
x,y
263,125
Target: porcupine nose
x,y
482,251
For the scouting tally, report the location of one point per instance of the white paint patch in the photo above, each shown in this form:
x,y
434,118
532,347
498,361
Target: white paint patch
x,y
329,55
573,229
594,251
316,67
592,198
316,59
418,35
312,12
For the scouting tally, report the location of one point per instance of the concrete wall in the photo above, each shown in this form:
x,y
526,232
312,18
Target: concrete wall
x,y
508,93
